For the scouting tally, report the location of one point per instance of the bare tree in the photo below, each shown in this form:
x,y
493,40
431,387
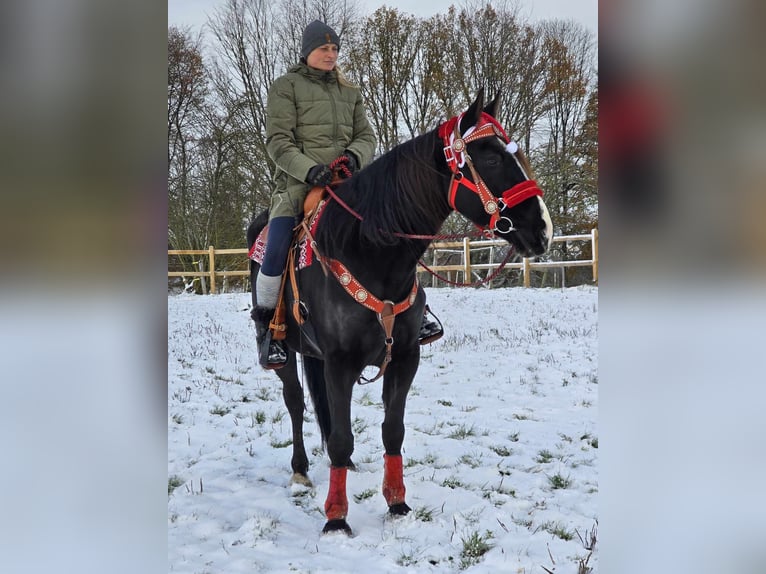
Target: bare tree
x,y
569,56
187,90
380,61
245,67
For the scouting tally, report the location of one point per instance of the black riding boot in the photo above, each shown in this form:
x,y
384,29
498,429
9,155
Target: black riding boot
x,y
430,331
271,354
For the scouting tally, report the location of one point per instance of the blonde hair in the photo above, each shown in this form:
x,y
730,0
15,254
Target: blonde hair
x,y
342,79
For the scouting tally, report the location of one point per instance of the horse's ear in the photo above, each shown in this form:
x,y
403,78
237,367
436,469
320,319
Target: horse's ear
x,y
472,114
492,107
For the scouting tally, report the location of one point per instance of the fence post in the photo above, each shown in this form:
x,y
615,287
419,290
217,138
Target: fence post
x,y
527,272
433,264
211,255
466,260
594,249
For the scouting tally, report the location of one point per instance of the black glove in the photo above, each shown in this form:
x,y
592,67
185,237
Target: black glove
x,y
319,175
353,162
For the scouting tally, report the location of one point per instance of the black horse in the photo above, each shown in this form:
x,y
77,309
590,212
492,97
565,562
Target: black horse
x,y
360,297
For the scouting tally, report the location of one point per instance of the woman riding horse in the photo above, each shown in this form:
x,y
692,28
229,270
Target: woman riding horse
x,y
314,115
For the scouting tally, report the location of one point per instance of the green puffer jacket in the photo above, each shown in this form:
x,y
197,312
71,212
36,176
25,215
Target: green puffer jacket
x,y
311,119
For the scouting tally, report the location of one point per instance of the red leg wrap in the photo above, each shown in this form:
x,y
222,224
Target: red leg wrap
x,y
393,479
336,505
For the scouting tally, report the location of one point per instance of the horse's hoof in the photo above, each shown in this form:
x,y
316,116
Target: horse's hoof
x,y
301,479
338,524
400,509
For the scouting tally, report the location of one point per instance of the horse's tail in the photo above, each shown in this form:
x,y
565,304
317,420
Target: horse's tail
x,y
255,228
314,369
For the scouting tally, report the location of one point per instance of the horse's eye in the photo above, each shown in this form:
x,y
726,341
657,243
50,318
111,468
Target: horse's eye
x,y
492,160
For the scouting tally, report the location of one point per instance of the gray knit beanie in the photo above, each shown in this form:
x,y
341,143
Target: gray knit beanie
x,y
317,34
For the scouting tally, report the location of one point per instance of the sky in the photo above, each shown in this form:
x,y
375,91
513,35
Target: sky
x,y
193,13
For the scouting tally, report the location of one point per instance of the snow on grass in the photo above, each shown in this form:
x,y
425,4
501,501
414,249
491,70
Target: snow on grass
x,y
500,453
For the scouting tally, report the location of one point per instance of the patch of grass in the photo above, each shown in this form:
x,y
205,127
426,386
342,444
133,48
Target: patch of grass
x,y
433,431
582,565
220,410
405,559
557,481
178,419
519,417
462,432
523,522
424,514
544,456
278,417
428,460
359,425
590,539
474,547
366,400
501,450
452,482
257,418
265,526
474,461
514,437
173,483
444,403
594,442
558,530
264,394
364,495
281,444
183,396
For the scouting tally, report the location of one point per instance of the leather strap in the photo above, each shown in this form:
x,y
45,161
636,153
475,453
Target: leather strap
x,y
363,296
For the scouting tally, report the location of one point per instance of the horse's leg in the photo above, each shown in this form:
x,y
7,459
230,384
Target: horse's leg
x,y
340,444
396,385
292,393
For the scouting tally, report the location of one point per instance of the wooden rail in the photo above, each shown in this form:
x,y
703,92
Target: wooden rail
x,y
466,247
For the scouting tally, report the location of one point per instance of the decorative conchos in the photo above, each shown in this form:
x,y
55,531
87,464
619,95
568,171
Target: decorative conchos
x,y
491,207
360,295
344,279
458,145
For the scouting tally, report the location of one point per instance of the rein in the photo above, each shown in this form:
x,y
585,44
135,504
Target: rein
x,y
487,279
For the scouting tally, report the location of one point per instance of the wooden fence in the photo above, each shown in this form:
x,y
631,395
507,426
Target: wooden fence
x,y
465,248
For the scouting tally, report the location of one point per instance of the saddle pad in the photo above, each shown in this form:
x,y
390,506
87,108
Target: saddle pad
x,y
305,252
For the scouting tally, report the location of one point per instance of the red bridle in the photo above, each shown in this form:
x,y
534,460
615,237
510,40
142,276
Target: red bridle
x,y
455,145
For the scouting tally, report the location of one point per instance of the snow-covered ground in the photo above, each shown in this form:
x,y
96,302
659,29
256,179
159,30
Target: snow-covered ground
x,y
500,453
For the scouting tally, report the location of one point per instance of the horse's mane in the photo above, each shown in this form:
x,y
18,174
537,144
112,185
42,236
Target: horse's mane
x,y
397,193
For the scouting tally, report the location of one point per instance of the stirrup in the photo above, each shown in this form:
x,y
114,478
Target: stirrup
x,y
430,331
272,354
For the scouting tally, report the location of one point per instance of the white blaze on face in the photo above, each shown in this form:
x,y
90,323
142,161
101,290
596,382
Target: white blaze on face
x,y
548,222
